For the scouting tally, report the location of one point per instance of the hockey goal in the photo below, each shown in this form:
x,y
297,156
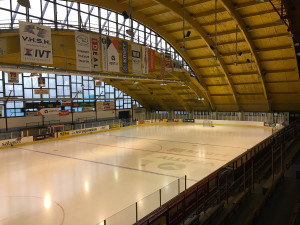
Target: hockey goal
x,y
207,123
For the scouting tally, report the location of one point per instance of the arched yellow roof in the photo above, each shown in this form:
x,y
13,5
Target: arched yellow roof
x,y
265,76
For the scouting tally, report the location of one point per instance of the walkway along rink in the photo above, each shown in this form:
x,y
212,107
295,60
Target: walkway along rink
x,y
86,179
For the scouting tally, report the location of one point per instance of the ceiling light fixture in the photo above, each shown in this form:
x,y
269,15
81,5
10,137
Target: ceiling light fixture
x,y
125,15
34,75
163,84
25,3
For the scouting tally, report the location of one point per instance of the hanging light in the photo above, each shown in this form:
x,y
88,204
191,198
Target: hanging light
x,y
129,31
34,75
188,33
25,3
125,15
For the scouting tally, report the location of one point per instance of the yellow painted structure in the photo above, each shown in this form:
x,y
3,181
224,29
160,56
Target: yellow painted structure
x,y
270,84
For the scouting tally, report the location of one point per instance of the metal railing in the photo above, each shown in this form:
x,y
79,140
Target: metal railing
x,y
236,177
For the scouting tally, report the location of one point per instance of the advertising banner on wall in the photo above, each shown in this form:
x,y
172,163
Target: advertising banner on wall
x,y
145,60
104,52
83,104
177,66
168,62
136,59
64,112
124,56
162,65
113,54
13,77
105,105
41,91
41,82
95,47
151,60
20,140
48,111
35,43
98,83
83,51
66,103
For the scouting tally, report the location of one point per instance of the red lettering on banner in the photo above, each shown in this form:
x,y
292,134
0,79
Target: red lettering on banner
x,y
95,44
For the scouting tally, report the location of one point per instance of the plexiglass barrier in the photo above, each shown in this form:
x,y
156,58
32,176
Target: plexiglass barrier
x,y
143,207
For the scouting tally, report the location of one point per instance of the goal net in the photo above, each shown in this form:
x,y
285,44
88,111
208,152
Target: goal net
x,y
207,123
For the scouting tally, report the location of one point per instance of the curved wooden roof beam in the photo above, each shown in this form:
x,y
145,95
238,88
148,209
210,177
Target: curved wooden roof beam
x,y
177,9
118,7
238,19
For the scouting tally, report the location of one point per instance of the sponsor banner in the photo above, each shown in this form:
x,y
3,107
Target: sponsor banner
x,y
104,52
168,62
98,83
105,105
141,122
145,60
16,141
151,60
83,51
64,113
35,43
42,137
87,109
266,124
83,104
64,133
136,59
48,111
13,77
125,57
41,82
41,91
66,103
162,65
31,113
95,47
177,66
113,54
189,120
88,130
147,121
175,120
112,126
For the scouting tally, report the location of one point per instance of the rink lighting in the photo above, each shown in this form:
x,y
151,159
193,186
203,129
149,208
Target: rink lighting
x,y
47,201
163,84
86,186
34,75
25,3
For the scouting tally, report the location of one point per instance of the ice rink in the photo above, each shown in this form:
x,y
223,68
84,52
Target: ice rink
x,y
83,180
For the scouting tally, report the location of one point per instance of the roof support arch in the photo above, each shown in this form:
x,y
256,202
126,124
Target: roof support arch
x,y
177,9
120,7
238,19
